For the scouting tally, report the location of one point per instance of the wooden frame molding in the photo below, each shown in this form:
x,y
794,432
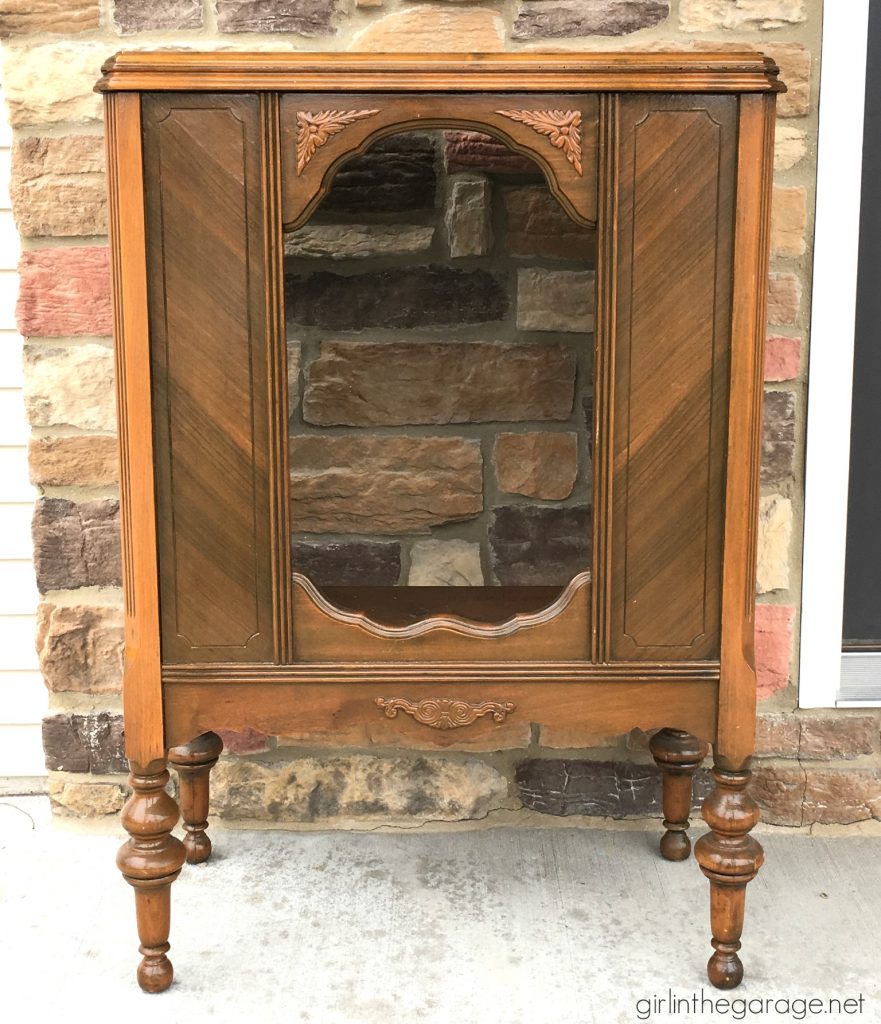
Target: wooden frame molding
x,y
462,72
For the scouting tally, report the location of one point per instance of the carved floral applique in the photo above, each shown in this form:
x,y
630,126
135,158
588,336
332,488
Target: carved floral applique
x,y
314,130
445,712
562,127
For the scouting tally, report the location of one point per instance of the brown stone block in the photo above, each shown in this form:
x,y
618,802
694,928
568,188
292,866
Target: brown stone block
x,y
364,383
475,151
777,734
539,226
829,736
357,241
304,17
383,484
547,19
348,563
778,436
790,146
399,297
614,789
795,71
80,647
57,186
842,796
76,544
79,460
789,217
136,16
779,792
539,465
427,29
85,743
85,799
556,300
468,217
65,291
356,786
26,17
396,175
534,545
784,297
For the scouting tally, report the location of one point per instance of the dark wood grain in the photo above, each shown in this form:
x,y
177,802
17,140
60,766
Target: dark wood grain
x,y
209,341
669,387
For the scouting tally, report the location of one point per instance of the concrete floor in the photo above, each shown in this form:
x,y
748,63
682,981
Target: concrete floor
x,y
551,925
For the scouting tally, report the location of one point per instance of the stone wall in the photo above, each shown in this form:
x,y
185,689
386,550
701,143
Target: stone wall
x,y
440,312
813,766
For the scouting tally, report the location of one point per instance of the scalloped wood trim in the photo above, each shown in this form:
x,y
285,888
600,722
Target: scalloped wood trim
x,y
451,623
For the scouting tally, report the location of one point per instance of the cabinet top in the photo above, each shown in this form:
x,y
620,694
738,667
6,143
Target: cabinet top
x,y
180,70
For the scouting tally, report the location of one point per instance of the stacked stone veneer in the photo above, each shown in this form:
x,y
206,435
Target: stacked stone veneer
x,y
812,766
440,309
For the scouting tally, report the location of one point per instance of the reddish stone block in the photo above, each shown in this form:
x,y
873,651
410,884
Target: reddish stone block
x,y
474,151
245,741
780,792
842,796
782,357
828,736
773,647
777,734
65,291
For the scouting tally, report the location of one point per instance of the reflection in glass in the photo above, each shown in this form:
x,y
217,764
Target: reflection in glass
x,y
440,317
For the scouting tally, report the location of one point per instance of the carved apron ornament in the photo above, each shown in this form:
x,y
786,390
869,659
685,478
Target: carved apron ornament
x,y
562,127
314,130
444,712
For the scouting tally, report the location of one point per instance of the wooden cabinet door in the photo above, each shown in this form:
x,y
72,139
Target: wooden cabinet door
x,y
211,333
669,220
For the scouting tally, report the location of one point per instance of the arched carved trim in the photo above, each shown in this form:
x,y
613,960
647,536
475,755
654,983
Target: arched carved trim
x,y
451,623
571,182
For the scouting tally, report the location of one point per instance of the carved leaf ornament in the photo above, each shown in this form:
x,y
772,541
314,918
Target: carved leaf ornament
x,y
562,127
444,712
314,130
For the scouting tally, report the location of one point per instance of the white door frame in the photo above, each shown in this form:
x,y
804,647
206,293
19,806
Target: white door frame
x,y
830,367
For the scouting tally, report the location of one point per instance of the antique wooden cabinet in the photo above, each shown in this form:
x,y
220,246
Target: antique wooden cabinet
x,y
668,158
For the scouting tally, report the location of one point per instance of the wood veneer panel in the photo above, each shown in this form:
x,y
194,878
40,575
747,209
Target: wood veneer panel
x,y
210,356
677,157
325,711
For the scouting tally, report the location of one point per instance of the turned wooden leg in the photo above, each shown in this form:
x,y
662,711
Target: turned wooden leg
x,y
678,754
194,762
150,861
730,858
